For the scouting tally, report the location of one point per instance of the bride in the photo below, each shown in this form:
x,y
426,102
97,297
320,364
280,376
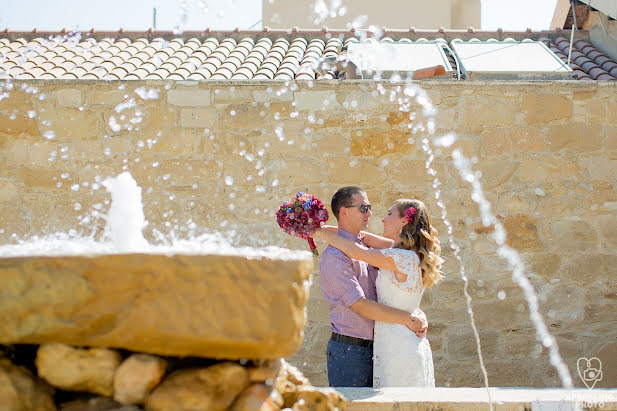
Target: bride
x,y
409,262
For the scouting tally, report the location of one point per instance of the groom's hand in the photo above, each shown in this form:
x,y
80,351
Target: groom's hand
x,y
419,323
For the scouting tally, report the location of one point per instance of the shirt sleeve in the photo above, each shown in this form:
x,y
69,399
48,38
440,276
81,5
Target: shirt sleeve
x,y
406,261
338,280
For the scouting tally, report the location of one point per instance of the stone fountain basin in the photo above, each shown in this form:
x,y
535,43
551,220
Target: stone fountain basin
x,y
215,306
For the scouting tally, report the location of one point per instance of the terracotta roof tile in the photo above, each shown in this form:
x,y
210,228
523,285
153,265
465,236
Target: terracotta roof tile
x,y
211,55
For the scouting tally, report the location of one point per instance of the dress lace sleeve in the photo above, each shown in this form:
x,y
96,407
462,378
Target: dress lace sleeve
x,y
406,262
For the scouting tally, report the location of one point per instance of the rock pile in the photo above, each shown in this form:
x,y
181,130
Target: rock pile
x,y
65,378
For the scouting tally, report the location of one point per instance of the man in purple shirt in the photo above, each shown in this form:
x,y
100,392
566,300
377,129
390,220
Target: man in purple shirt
x,y
349,289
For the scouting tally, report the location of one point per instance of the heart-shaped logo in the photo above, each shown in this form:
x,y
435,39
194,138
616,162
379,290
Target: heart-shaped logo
x,y
590,370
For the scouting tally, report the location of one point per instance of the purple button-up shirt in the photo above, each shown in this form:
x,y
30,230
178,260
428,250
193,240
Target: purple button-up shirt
x,y
343,282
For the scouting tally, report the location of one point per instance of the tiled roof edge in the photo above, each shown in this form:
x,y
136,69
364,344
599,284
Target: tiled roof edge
x,y
293,33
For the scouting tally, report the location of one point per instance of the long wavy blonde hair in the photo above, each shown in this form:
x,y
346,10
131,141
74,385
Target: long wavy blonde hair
x,y
420,236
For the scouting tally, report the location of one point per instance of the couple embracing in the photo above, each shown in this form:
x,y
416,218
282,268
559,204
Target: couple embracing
x,y
373,286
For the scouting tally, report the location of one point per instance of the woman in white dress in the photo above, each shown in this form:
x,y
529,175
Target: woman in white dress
x,y
409,262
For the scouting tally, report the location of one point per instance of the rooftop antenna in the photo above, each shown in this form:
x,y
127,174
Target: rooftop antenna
x,y
572,29
154,17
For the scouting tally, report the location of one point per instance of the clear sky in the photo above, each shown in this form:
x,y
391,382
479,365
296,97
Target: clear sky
x,y
221,14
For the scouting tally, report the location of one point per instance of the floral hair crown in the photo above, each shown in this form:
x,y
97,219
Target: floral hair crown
x,y
410,213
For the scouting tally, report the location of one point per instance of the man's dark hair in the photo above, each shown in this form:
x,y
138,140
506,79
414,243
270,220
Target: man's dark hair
x,y
342,198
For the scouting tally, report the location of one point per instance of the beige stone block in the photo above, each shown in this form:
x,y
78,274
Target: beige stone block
x,y
462,343
74,369
599,313
198,118
573,234
607,227
106,301
408,174
512,314
183,143
71,124
481,111
543,107
607,353
379,141
213,388
508,140
136,377
233,95
496,173
331,144
36,177
18,124
246,117
271,94
522,231
544,264
596,111
518,345
290,171
8,191
14,218
344,171
69,97
587,268
20,390
33,153
188,97
610,138
583,94
357,100
316,100
546,169
576,137
106,97
601,168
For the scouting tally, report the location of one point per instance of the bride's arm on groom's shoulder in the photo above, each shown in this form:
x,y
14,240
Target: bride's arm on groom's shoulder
x,y
353,250
376,241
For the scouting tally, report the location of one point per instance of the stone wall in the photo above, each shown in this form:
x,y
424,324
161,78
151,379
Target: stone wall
x,y
547,152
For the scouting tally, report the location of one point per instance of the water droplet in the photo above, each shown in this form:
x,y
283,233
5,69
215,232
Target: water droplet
x,y
75,187
49,134
228,180
501,295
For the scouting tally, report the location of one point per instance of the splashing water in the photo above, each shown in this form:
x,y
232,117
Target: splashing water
x,y
125,221
124,234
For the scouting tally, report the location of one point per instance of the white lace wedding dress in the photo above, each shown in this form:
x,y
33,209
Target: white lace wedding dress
x,y
401,359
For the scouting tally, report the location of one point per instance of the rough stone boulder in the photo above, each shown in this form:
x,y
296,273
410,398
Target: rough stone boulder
x,y
76,369
20,391
213,306
213,389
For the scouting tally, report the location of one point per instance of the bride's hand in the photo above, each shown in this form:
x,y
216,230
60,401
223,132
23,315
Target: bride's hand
x,y
418,323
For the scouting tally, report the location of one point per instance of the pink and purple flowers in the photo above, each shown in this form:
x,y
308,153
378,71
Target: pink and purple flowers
x,y
300,215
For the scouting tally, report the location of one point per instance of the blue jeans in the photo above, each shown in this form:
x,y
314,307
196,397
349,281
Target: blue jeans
x,y
349,365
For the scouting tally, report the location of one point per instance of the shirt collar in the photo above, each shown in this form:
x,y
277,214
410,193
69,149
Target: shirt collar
x,y
347,235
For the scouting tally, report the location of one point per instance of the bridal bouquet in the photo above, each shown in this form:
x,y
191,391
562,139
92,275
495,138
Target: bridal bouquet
x,y
300,216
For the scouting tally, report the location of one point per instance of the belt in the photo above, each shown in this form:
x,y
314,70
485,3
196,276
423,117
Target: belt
x,y
351,340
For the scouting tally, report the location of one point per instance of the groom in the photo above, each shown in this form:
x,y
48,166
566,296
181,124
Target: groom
x,y
349,289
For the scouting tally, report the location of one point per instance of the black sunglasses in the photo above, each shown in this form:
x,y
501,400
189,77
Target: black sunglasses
x,y
364,208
